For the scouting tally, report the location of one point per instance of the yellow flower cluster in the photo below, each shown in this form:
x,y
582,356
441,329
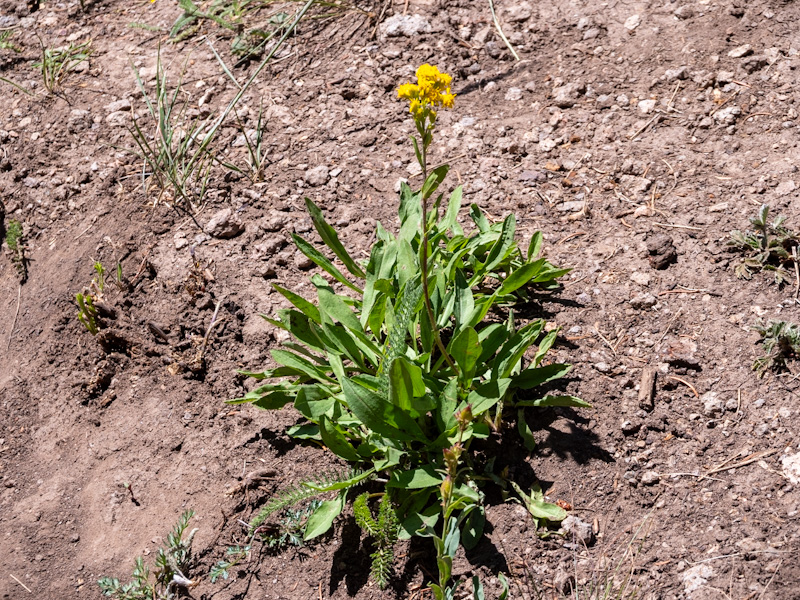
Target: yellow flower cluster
x,y
431,91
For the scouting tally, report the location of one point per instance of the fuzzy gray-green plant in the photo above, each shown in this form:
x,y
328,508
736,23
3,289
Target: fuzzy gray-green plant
x,y
767,247
781,340
172,563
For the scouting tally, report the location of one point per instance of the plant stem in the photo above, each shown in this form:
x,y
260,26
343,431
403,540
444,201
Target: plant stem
x,y
424,259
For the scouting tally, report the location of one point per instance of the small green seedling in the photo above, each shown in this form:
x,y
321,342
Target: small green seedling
x,y
233,556
86,300
57,63
6,43
165,582
768,247
781,341
383,530
16,246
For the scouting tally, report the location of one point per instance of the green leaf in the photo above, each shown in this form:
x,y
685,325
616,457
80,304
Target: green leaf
x,y
333,305
314,401
379,415
274,400
525,431
535,245
465,349
307,431
521,277
510,355
415,479
504,243
299,364
331,238
556,401
479,218
451,214
487,395
322,519
322,261
405,385
336,441
477,587
472,529
305,307
435,177
537,506
536,376
544,346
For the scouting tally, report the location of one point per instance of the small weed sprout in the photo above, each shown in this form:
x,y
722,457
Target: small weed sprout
x,y
57,63
87,311
16,246
233,556
172,562
781,341
174,157
6,43
768,247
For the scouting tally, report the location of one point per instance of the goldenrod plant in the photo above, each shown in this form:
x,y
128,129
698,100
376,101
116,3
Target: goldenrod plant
x,y
397,370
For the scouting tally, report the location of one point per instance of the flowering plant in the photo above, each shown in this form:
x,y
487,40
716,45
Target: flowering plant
x,y
403,376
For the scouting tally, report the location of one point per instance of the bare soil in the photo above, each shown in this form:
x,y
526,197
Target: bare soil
x,y
104,442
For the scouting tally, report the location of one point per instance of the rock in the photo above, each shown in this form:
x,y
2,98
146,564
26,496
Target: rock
x,y
564,582
567,95
713,405
725,77
513,94
604,101
123,104
591,34
650,478
643,301
302,262
741,51
518,12
493,49
647,106
120,118
785,187
405,25
580,531
684,12
603,367
661,251
719,207
632,22
791,467
571,206
679,73
317,176
695,578
509,144
642,279
547,144
727,115
754,63
224,224
256,331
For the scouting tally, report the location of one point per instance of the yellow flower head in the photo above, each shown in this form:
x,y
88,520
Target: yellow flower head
x,y
431,91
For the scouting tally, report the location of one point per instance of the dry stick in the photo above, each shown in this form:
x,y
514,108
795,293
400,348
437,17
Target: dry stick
x,y
679,226
731,97
602,337
14,323
671,323
22,584
645,126
751,459
500,31
764,591
210,327
686,383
